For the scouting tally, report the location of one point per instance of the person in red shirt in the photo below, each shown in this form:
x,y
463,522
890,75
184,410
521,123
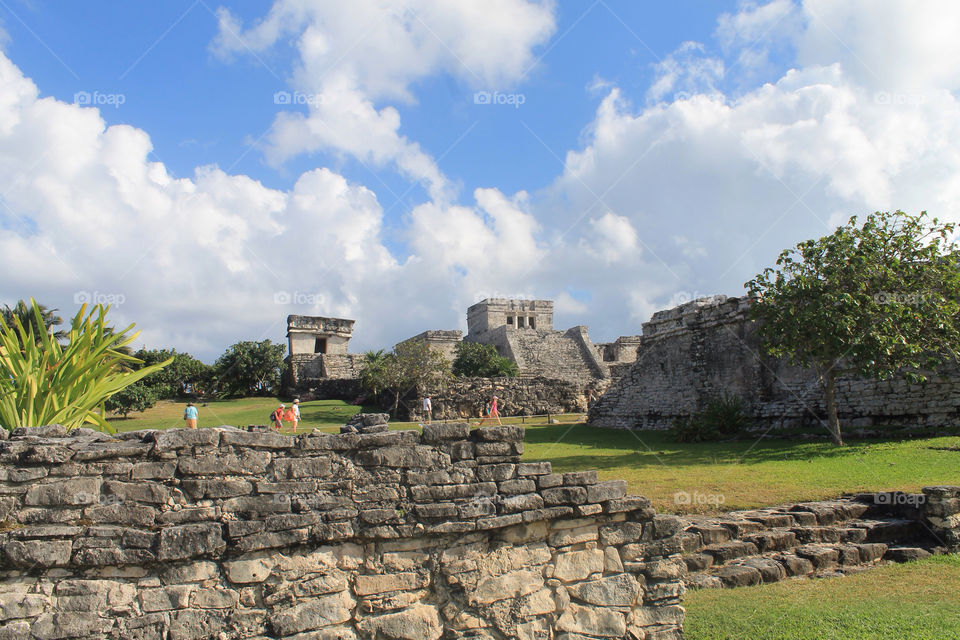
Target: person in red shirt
x,y
278,417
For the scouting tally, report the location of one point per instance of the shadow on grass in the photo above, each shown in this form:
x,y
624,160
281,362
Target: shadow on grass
x,y
647,448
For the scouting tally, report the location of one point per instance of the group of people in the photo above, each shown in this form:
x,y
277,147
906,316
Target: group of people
x,y
282,414
489,411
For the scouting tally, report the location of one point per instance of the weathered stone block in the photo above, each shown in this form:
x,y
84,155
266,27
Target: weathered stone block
x,y
77,491
440,432
190,540
564,495
578,565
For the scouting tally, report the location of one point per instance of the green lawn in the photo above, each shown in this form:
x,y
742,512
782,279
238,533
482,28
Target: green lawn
x,y
916,600
238,412
739,475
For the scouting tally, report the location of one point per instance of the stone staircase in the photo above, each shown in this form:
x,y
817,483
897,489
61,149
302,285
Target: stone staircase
x,y
811,539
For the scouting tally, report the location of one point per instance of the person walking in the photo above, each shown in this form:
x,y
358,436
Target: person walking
x,y
296,414
492,411
277,416
190,415
427,409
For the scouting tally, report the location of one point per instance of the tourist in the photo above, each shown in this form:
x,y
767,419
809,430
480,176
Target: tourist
x,y
190,415
278,417
492,411
296,414
427,409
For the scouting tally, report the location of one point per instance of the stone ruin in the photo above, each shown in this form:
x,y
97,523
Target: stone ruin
x,y
706,348
229,534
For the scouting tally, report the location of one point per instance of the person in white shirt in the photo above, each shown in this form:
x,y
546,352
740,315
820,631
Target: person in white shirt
x,y
427,409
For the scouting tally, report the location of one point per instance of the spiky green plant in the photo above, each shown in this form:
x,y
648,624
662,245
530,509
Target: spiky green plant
x,y
45,382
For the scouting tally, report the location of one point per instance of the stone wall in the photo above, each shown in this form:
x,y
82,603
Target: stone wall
x,y
223,533
465,397
703,349
304,372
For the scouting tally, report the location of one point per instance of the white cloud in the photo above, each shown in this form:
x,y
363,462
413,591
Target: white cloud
x,y
354,55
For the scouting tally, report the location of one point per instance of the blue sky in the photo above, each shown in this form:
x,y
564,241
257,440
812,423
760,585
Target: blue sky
x,y
660,151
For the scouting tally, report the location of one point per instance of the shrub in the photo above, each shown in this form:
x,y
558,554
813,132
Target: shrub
x,y
722,417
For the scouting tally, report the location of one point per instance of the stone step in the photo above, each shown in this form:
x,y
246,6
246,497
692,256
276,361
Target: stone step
x,y
727,551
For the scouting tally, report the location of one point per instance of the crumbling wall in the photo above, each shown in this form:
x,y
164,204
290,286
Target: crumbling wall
x,y
703,349
223,533
465,397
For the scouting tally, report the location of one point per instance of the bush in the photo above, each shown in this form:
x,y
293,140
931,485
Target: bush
x,y
475,360
722,417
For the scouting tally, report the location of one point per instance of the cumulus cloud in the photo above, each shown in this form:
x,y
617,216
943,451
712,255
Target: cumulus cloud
x,y
355,55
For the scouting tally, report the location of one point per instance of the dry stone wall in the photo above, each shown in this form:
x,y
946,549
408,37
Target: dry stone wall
x,y
703,349
465,397
224,533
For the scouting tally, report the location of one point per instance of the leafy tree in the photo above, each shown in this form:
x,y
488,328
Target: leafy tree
x,y
413,365
373,370
482,361
183,377
24,312
250,368
137,397
45,382
873,300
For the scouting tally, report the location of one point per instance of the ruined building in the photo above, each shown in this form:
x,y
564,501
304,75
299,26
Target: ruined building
x,y
318,349
707,348
521,330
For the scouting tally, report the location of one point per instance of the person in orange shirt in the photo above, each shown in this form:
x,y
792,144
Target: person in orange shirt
x,y
292,415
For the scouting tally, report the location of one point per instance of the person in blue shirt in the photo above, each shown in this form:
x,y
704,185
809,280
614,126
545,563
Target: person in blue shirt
x,y
190,415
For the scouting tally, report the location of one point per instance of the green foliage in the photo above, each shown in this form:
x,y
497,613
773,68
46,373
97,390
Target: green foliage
x,y
872,300
139,396
482,361
184,376
24,312
43,382
412,365
373,370
721,418
250,369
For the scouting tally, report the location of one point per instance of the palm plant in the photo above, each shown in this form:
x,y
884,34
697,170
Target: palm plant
x,y
45,382
23,312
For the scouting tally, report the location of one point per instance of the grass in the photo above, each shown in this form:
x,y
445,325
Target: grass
x,y
723,476
325,414
917,600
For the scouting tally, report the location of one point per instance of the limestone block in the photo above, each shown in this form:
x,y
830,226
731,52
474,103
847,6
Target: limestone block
x,y
507,586
621,533
37,553
578,565
417,623
190,540
76,491
18,604
365,585
564,495
650,616
213,598
613,591
166,598
323,611
74,624
606,623
189,572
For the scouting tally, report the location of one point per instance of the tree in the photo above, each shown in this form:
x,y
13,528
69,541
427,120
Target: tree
x,y
137,397
45,382
24,312
482,361
413,365
183,377
873,300
373,370
250,368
